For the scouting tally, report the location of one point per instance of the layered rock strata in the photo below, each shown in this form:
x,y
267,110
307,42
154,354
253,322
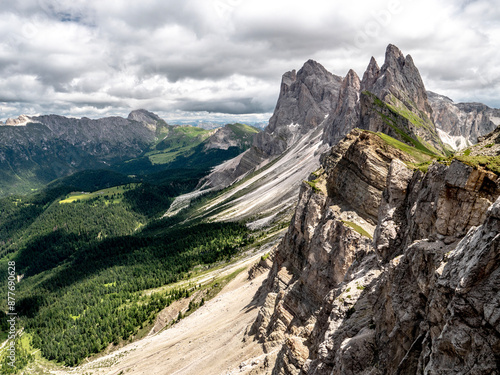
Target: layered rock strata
x,y
421,297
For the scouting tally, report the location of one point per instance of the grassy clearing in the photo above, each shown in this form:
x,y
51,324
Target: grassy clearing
x,y
357,228
400,108
423,167
116,191
312,184
397,110
489,162
180,140
243,130
160,157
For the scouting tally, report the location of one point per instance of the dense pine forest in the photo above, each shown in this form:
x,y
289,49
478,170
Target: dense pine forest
x,y
88,258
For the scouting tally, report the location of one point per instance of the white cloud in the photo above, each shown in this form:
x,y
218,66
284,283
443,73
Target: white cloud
x,y
94,58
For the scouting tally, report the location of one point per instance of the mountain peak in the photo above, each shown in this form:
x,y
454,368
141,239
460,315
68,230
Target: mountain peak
x,y
314,68
393,55
351,76
149,119
371,74
350,80
22,120
140,114
398,77
305,98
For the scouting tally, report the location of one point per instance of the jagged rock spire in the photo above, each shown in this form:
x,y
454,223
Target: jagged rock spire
x,y
345,116
305,98
398,77
371,74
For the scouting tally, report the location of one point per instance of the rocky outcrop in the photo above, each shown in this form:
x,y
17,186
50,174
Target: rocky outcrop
x,y
20,121
422,297
328,234
345,116
394,101
399,78
356,171
231,135
462,123
306,97
151,120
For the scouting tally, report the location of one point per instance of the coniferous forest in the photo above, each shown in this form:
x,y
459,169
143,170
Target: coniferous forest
x,y
90,262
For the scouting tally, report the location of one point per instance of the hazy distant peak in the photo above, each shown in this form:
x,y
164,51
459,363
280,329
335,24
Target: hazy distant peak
x,y
141,115
149,119
22,120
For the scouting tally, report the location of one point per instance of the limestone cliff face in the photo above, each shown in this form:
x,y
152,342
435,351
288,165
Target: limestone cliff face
x,y
398,77
345,115
420,298
306,97
463,123
356,171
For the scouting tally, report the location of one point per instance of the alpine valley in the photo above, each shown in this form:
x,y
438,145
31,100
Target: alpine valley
x,y
358,233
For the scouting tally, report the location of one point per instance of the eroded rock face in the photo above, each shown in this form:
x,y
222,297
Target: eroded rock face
x,y
421,298
345,116
305,98
225,138
398,77
313,258
357,171
462,122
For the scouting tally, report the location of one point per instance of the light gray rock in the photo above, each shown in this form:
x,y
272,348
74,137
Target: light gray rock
x,y
345,116
467,120
422,299
306,98
394,101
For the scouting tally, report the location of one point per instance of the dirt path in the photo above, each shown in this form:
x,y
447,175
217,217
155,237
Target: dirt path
x,y
208,342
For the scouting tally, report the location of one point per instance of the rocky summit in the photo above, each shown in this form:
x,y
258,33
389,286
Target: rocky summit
x,y
318,108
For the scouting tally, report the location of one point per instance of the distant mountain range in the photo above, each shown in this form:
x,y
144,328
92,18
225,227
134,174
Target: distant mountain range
x,y
36,150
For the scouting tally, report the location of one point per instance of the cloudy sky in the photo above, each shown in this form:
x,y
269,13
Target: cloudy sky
x,y
223,59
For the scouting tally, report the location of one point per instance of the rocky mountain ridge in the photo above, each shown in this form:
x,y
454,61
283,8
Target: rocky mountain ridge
x,y
313,102
35,150
418,298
